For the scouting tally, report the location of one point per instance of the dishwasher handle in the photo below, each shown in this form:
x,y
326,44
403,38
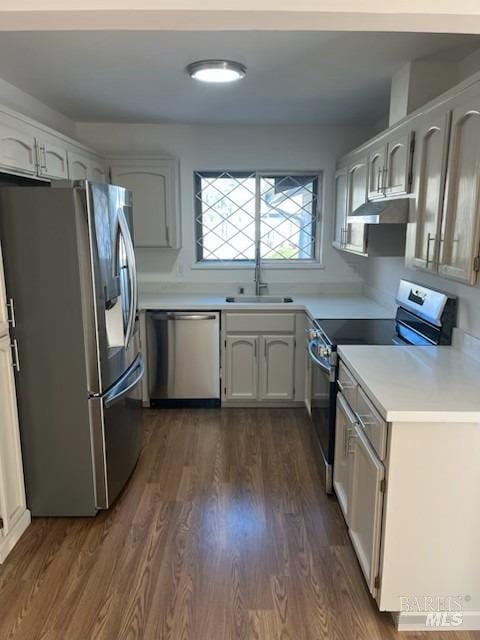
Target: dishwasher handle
x,y
183,316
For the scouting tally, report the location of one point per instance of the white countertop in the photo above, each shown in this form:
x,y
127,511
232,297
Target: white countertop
x,y
417,384
318,306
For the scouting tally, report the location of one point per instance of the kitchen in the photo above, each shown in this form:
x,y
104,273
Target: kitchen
x,y
245,403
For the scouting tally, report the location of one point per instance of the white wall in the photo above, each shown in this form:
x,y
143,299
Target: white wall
x,y
232,147
381,277
18,100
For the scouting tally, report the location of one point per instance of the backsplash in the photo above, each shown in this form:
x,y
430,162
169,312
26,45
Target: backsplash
x,y
152,286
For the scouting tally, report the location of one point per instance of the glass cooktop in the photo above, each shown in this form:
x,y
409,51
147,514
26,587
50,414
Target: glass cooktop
x,y
359,331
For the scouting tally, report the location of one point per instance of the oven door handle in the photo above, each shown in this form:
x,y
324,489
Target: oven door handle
x,y
328,368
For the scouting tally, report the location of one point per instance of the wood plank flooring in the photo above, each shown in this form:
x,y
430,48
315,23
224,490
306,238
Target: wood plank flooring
x,y
223,533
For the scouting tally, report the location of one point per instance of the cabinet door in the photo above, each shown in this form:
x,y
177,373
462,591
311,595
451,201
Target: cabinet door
x,y
461,211
377,162
340,207
77,166
366,504
154,202
242,368
355,237
52,161
399,162
3,301
12,492
277,367
97,172
432,141
17,151
341,468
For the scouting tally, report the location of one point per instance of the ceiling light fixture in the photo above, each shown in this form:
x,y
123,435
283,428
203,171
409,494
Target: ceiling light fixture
x,y
216,71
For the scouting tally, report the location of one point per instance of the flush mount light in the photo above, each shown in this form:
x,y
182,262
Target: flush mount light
x,y
216,71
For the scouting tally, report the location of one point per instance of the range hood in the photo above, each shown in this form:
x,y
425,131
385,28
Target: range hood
x,y
393,211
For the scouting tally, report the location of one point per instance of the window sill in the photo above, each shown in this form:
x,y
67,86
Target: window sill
x,y
265,265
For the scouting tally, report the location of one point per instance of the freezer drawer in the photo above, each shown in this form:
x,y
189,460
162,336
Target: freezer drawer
x,y
117,434
183,355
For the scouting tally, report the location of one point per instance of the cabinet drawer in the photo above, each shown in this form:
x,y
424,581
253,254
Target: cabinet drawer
x,y
260,322
348,385
372,423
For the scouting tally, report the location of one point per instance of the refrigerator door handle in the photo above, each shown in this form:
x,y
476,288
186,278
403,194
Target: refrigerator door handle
x,y
120,389
127,239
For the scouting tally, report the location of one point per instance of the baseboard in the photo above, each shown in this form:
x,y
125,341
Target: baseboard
x,y
437,621
262,405
7,543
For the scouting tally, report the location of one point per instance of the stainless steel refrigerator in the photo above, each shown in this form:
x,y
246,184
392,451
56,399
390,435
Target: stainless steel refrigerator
x,y
72,289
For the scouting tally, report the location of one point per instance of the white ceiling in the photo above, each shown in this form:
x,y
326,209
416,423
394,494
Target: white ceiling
x,y
295,77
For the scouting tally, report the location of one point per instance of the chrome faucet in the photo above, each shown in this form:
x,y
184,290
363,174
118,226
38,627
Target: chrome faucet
x,y
257,278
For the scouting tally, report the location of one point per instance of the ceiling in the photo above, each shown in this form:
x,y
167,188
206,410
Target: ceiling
x,y
294,77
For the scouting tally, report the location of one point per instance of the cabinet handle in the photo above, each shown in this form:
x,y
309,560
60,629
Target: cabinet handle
x,y
11,313
352,436
380,169
167,235
265,349
16,360
255,349
430,239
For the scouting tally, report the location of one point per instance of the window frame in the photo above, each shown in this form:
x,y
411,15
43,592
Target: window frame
x,y
287,263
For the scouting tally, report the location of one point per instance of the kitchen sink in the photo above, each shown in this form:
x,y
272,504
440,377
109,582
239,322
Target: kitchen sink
x,y
259,299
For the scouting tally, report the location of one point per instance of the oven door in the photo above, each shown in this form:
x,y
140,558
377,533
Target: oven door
x,y
323,395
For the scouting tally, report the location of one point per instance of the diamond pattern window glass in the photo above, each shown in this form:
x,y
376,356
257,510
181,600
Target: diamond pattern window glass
x,y
237,211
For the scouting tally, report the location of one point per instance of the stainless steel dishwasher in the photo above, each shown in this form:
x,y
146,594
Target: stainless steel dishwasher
x,y
183,350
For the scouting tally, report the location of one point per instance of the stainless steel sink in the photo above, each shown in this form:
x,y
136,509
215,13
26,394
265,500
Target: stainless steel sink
x,y
258,299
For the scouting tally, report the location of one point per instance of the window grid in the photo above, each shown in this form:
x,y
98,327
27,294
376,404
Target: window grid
x,y
235,211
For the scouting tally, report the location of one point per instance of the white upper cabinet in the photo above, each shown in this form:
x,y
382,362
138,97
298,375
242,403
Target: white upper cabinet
x,y
277,367
389,165
355,233
397,174
377,161
430,169
17,150
30,149
52,160
77,166
155,188
340,196
85,167
460,233
97,171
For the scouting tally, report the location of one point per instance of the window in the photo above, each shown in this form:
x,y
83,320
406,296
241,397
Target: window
x,y
238,213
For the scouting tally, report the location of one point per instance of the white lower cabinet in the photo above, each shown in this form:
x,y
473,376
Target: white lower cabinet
x,y
277,367
365,505
260,361
358,479
14,517
241,368
345,421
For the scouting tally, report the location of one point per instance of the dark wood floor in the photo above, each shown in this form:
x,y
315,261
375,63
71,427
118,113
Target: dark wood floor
x,y
224,532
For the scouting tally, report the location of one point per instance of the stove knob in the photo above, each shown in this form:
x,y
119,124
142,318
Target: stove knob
x,y
324,352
